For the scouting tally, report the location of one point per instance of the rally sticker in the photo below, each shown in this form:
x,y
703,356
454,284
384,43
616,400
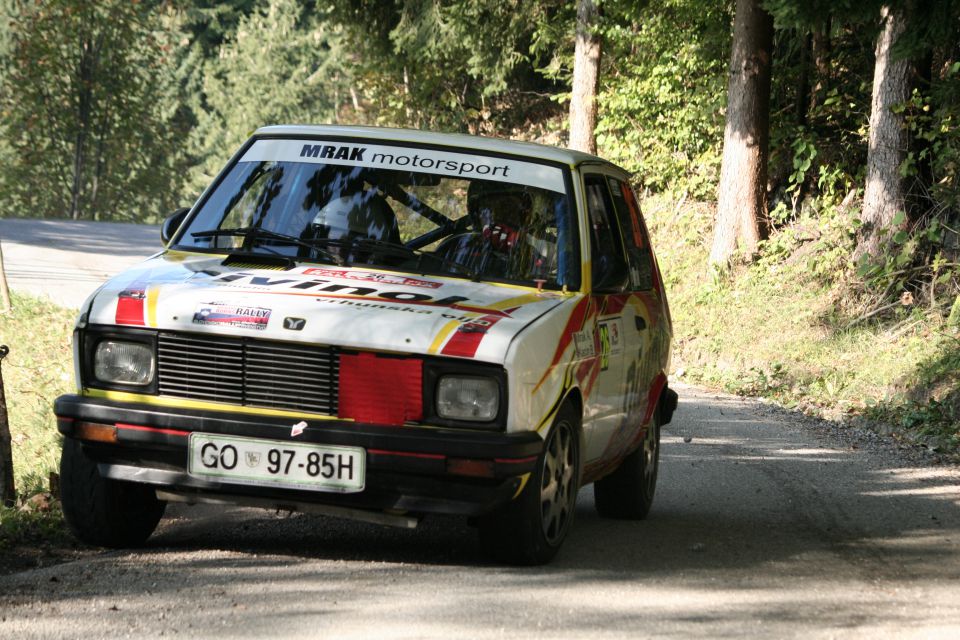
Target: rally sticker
x,y
584,343
231,315
447,163
369,276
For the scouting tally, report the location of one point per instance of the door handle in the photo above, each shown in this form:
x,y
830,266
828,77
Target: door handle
x,y
640,322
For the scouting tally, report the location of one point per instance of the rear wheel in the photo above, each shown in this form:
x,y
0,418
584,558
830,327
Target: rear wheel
x,y
530,529
101,511
627,493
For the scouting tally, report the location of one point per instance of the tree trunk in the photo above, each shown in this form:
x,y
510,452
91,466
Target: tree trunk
x,y
4,289
742,198
821,61
8,491
802,102
883,195
586,78
86,74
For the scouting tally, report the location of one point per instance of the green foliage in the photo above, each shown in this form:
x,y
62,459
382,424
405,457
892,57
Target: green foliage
x,y
89,110
818,141
932,120
282,66
213,22
663,93
452,65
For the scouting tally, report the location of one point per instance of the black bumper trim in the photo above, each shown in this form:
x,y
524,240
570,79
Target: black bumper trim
x,y
408,468
458,443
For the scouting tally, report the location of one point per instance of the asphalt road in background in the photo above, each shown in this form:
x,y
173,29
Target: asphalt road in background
x,y
766,524
67,260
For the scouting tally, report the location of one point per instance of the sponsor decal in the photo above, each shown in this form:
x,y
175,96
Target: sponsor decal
x,y
474,326
447,163
373,305
294,324
469,335
231,315
332,152
368,276
583,341
339,292
609,333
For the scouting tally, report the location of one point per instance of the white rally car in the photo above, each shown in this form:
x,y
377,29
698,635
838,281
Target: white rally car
x,y
379,324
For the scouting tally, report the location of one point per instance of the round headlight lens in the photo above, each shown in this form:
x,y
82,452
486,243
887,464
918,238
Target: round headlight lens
x,y
120,362
468,398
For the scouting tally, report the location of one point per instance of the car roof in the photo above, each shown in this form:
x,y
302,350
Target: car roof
x,y
459,141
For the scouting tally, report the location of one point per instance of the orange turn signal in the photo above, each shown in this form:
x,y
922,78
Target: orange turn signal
x,y
95,431
468,467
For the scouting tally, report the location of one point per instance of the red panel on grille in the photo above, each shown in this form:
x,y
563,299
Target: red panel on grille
x,y
380,390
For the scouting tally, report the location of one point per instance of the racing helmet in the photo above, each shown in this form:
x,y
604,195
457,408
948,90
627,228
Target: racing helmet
x,y
491,202
360,215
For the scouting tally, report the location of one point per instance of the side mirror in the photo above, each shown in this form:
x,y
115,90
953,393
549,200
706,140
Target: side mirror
x,y
610,274
172,223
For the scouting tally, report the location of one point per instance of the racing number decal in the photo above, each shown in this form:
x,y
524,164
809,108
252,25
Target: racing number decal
x,y
604,333
608,333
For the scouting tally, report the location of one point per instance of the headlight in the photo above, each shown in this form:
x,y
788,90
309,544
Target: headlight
x,y
123,362
468,398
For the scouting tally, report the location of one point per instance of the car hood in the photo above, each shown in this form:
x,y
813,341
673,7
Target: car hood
x,y
362,308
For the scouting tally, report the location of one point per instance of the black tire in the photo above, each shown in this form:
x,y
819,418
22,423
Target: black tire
x,y
628,492
101,511
530,529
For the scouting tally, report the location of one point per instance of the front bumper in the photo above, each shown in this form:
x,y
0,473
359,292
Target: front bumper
x,y
409,469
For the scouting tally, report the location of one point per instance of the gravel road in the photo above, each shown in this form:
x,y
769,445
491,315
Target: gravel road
x,y
67,260
766,525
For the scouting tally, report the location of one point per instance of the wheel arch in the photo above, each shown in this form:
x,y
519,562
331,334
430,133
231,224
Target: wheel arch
x,y
575,398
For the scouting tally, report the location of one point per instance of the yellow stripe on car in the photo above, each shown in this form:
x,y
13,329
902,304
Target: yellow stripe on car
x,y
161,401
153,293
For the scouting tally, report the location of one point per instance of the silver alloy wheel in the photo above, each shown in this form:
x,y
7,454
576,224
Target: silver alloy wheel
x,y
557,484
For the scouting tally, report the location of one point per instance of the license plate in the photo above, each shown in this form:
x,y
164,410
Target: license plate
x,y
253,461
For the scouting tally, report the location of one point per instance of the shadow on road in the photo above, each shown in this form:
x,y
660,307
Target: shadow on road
x,y
756,533
740,495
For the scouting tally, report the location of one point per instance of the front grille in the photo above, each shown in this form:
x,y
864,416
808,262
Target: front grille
x,y
255,373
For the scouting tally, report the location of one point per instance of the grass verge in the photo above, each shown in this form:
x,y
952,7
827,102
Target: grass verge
x,y
37,370
788,328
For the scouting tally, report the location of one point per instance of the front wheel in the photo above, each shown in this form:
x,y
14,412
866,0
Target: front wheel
x,y
101,511
530,529
627,493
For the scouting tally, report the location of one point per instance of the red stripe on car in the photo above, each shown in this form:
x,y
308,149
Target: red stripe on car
x,y
406,454
466,340
137,427
130,309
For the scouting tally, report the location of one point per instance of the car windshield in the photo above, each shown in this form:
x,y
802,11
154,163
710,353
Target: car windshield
x,y
400,208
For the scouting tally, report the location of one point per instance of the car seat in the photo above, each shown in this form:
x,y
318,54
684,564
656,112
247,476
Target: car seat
x,y
364,214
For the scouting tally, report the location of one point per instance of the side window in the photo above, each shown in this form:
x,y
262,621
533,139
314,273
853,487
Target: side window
x,y
610,271
634,235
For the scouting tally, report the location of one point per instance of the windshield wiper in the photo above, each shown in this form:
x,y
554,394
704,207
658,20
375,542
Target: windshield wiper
x,y
404,251
253,233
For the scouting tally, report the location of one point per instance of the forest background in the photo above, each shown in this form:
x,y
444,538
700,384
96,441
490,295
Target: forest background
x,y
820,298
